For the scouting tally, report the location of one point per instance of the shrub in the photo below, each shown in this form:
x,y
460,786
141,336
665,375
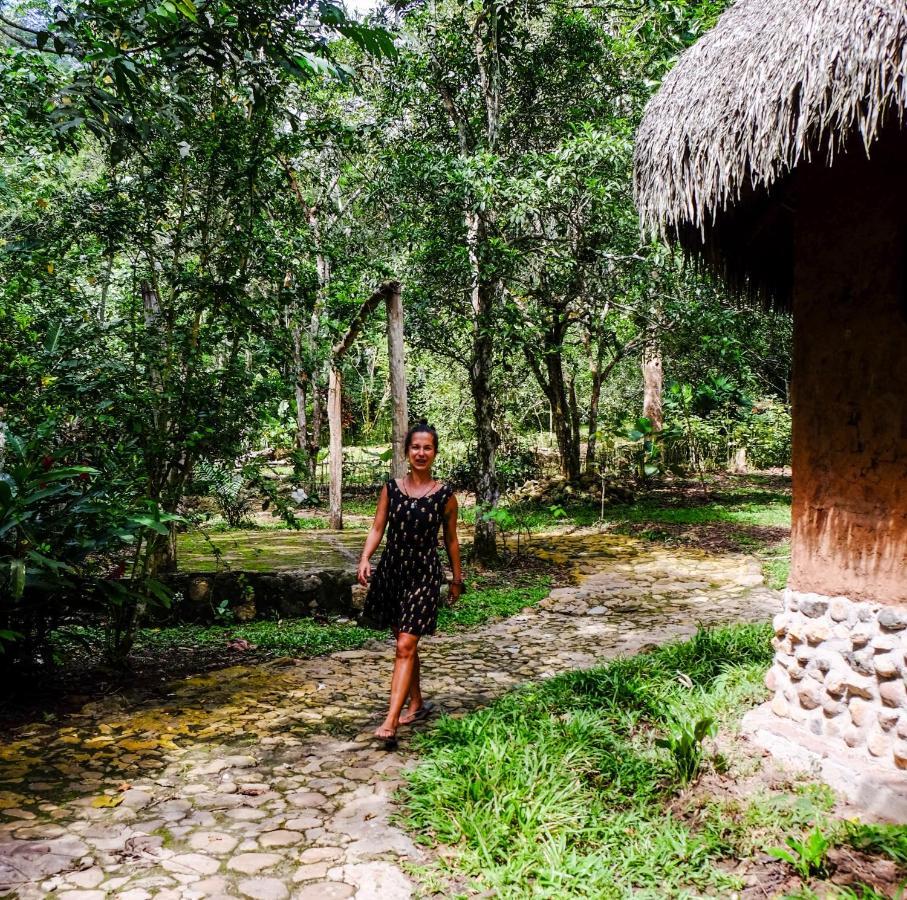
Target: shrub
x,y
766,434
70,545
516,464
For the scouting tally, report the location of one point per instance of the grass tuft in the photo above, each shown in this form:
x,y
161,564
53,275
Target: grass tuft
x,y
557,790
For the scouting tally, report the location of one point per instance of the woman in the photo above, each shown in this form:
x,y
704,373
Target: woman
x,y
406,588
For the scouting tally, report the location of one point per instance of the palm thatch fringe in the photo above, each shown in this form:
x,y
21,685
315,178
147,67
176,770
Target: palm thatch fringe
x,y
775,83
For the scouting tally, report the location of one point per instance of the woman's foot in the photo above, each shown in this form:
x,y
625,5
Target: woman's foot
x,y
387,734
417,713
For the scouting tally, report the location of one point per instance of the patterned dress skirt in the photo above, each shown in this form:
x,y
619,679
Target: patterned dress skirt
x,y
406,584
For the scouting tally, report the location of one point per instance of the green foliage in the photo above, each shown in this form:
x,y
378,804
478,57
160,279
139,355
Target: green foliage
x,y
684,743
766,435
890,840
808,857
516,463
228,489
70,543
486,601
557,789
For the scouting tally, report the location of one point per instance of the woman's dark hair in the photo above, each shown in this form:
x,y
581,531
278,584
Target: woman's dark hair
x,y
421,427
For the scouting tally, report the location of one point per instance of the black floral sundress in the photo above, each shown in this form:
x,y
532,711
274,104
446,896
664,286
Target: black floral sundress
x,y
406,584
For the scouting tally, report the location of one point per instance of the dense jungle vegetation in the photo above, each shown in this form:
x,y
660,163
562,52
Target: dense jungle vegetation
x,y
199,197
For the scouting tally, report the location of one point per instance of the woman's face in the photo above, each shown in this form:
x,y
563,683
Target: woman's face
x,y
421,452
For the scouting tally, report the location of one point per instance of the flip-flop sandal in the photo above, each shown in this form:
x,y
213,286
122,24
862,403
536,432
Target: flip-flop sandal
x,y
387,743
421,714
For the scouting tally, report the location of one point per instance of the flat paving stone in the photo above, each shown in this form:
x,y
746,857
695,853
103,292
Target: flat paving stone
x,y
216,842
325,890
263,781
250,863
264,889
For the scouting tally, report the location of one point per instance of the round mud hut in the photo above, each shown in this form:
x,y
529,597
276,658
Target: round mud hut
x,y
775,153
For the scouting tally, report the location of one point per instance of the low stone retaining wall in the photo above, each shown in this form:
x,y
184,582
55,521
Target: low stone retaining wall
x,y
841,671
254,595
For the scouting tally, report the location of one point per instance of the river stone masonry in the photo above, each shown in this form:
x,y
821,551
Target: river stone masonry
x,y
841,671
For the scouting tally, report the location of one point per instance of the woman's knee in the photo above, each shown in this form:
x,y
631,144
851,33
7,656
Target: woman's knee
x,y
407,645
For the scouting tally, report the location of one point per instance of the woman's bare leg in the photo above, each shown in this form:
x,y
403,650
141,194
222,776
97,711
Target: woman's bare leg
x,y
404,665
415,692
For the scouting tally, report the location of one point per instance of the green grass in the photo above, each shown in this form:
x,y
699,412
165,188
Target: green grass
x,y
481,603
889,840
296,637
487,598
776,565
755,507
558,789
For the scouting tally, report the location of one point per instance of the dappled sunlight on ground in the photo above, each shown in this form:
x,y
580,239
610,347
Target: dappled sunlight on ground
x,y
170,774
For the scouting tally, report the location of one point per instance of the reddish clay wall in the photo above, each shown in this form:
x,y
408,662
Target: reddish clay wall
x,y
850,376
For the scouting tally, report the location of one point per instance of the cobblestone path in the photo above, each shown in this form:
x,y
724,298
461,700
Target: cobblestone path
x,y
264,782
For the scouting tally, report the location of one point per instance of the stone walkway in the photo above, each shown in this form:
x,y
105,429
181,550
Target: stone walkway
x,y
264,782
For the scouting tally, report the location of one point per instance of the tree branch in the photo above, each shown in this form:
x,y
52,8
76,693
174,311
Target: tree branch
x,y
359,320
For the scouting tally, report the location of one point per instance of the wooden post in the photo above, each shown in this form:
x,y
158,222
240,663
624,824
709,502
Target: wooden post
x,y
335,394
335,428
400,421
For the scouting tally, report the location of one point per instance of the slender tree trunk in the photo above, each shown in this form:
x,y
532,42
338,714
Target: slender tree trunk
x,y
485,546
335,399
652,377
314,445
335,466
161,551
573,406
559,397
397,374
554,386
595,367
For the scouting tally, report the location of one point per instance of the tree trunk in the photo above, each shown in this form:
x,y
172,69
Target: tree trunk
x,y
737,463
564,419
300,382
595,367
335,466
397,374
485,547
652,377
573,407
163,472
335,390
314,445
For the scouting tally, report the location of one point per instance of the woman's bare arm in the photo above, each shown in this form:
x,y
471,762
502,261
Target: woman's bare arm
x,y
376,533
452,542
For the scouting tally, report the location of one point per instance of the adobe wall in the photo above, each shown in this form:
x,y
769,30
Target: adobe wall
x,y
850,377
840,668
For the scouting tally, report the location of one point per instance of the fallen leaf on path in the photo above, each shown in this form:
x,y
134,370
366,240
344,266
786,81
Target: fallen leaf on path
x,y
106,800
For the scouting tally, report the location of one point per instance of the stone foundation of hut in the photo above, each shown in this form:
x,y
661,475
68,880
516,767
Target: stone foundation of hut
x,y
840,671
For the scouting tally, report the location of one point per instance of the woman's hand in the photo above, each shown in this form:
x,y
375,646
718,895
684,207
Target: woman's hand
x,y
455,591
364,572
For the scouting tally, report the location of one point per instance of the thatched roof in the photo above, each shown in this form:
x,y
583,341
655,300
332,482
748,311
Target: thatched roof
x,y
774,84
